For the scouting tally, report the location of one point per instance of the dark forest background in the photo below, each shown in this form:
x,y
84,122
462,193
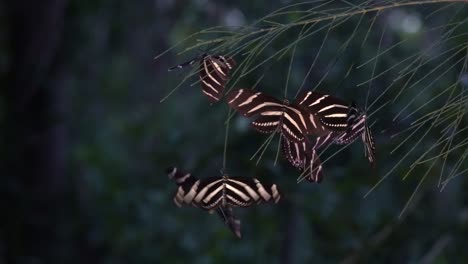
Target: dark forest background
x,y
85,141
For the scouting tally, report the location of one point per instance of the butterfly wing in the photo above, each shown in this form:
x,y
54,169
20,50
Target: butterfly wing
x,y
273,115
314,169
369,145
295,152
331,111
213,77
243,192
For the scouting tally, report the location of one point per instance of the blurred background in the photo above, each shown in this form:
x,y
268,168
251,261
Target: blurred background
x,y
86,141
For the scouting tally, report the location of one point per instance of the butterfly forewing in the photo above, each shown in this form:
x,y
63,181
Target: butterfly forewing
x,y
250,103
369,145
332,111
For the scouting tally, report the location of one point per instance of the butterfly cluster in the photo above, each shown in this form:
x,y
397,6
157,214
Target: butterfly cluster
x,y
310,122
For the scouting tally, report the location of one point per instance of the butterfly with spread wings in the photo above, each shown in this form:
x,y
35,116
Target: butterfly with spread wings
x,y
214,73
291,120
221,194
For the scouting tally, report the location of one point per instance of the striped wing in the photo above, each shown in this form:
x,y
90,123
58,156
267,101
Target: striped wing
x,y
369,145
295,152
185,181
314,169
303,156
236,192
360,129
214,74
332,111
273,115
353,132
230,220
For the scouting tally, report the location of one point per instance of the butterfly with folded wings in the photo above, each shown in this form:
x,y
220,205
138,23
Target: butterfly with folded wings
x,y
345,122
214,73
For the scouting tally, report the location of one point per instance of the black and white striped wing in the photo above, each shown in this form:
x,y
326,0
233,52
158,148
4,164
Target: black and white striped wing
x,y
186,183
332,111
353,132
314,169
214,74
295,152
356,130
243,191
369,145
272,115
303,155
235,192
230,220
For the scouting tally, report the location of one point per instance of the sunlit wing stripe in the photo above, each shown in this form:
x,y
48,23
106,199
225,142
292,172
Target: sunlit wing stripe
x,y
247,188
305,98
318,100
272,113
211,194
336,115
294,123
315,168
205,66
261,190
312,120
275,193
209,85
188,198
249,100
237,96
210,95
238,192
285,126
263,105
217,67
205,189
332,106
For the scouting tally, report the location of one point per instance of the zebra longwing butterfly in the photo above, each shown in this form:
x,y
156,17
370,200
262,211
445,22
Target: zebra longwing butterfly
x,y
224,212
344,121
275,116
214,73
222,194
